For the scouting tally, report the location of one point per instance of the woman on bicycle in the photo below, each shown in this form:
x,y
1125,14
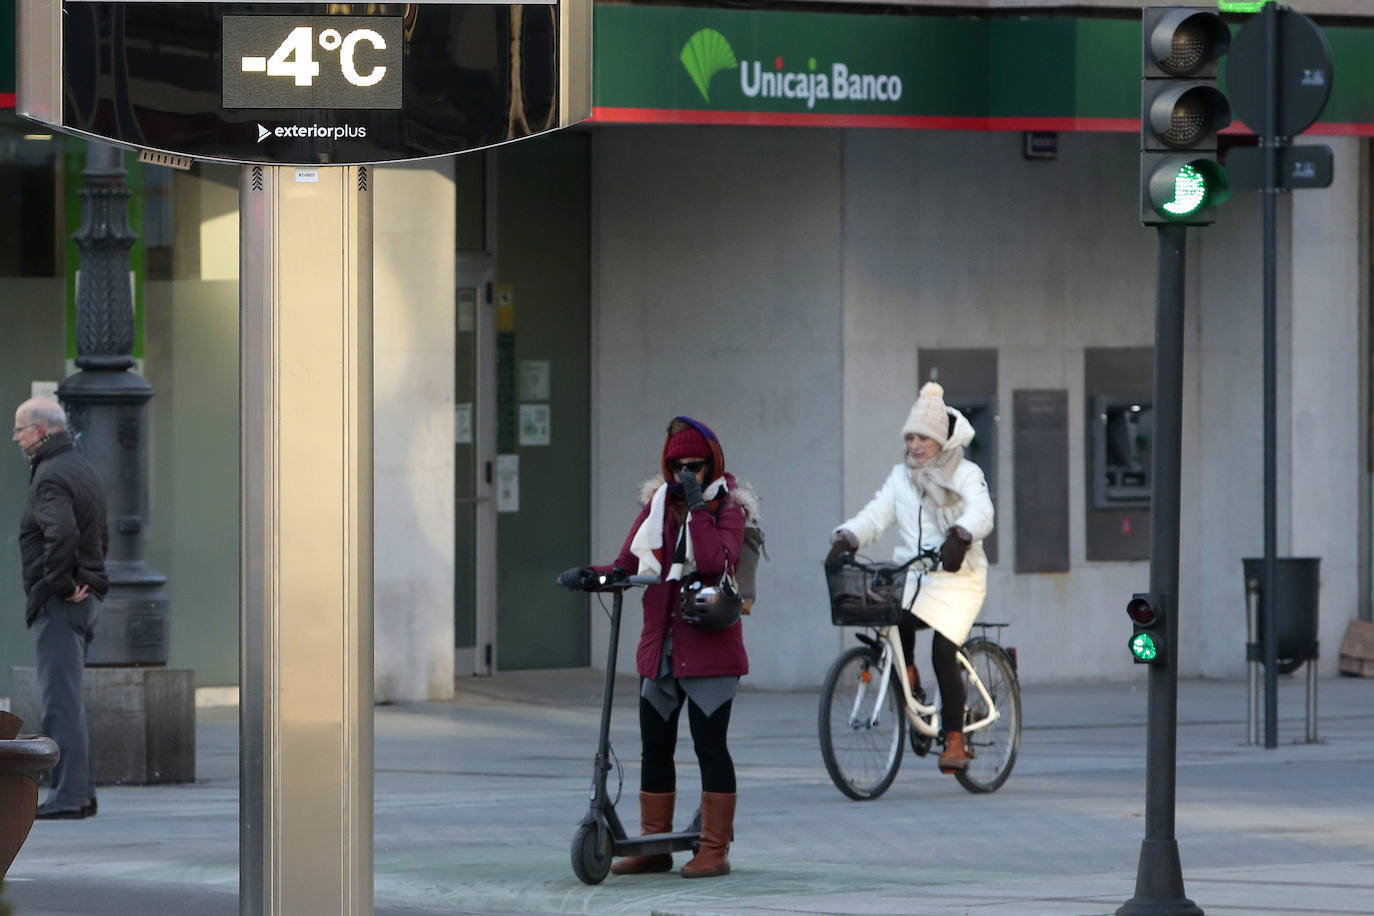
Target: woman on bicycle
x,y
936,496
691,527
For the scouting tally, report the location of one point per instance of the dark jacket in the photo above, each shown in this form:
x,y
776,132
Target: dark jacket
x,y
62,537
696,652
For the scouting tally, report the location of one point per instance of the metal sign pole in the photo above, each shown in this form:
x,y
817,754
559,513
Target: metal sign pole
x,y
305,714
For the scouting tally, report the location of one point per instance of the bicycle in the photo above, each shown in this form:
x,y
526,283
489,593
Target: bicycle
x,y
867,705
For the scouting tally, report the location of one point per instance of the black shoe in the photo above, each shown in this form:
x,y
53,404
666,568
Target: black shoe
x,y
50,812
90,809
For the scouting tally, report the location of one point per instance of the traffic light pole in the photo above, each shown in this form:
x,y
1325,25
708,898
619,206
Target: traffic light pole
x,y
1159,876
1270,142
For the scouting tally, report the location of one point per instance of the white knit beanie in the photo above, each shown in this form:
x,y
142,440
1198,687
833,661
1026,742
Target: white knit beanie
x,y
928,416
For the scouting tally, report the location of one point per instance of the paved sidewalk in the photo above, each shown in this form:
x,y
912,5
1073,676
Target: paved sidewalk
x,y
477,800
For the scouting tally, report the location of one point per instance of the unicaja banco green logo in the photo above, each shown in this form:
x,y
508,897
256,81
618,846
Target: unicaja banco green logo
x,y
704,55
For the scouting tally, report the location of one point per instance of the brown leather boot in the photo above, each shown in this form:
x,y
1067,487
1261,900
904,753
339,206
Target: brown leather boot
x,y
655,816
956,755
717,830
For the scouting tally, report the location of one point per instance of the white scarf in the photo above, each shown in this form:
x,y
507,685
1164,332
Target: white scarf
x,y
934,481
647,544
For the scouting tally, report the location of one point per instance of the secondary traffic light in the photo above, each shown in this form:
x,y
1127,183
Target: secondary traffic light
x,y
1181,110
1149,644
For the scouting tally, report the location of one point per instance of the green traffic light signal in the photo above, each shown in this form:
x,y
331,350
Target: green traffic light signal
x,y
1143,647
1190,192
1147,642
1182,187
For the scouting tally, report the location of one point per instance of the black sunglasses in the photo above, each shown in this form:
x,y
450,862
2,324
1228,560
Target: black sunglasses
x,y
692,466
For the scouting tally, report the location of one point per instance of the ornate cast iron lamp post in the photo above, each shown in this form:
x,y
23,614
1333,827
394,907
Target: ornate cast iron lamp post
x,y
106,402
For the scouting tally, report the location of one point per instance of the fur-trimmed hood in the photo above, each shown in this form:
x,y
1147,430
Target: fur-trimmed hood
x,y
741,494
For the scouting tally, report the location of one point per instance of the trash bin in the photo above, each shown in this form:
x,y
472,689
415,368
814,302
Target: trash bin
x,y
1295,600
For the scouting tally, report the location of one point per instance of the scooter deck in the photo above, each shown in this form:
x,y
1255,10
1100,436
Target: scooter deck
x,y
655,843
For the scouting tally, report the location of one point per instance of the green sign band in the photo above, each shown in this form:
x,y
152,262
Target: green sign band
x,y
678,65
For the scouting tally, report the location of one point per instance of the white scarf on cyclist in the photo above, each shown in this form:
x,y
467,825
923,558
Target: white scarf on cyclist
x,y
647,544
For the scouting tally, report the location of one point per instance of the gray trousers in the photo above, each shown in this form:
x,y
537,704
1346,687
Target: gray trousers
x,y
64,630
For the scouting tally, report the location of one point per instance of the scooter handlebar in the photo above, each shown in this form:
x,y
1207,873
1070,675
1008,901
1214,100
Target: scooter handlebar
x,y
607,583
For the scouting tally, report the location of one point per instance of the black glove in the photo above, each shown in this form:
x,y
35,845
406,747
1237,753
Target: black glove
x,y
952,551
577,577
837,550
691,489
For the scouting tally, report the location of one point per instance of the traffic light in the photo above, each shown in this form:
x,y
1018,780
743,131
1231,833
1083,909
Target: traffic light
x,y
1149,645
1181,110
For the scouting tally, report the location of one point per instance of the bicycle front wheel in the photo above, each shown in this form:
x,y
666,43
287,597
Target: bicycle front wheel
x,y
861,739
994,745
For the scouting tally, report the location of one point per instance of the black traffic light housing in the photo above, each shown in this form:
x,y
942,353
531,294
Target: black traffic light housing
x,y
1181,111
1149,643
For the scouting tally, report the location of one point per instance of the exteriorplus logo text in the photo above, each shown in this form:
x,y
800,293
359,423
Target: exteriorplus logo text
x,y
313,132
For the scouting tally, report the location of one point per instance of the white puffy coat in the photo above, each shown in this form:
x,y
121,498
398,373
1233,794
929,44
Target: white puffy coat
x,y
948,602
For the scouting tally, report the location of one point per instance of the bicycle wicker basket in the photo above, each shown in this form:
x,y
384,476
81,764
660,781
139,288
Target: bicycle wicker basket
x,y
865,597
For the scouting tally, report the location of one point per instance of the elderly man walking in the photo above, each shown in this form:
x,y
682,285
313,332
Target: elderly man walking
x,y
63,541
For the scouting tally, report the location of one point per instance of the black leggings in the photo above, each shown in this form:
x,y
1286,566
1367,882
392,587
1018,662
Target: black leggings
x,y
947,671
659,741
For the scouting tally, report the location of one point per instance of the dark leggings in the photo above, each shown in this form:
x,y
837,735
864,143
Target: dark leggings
x,y
947,672
659,740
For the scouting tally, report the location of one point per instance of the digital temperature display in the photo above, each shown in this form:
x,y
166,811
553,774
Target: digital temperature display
x,y
312,62
287,83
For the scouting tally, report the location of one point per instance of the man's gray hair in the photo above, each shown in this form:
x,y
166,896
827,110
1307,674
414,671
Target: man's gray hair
x,y
47,412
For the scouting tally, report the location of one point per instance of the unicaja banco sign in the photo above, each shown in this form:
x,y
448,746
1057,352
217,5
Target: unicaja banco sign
x,y
708,53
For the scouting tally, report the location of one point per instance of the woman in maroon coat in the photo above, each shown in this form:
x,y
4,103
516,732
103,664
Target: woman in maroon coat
x,y
691,528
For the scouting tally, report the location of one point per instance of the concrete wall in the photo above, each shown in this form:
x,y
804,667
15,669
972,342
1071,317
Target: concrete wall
x,y
820,262
1328,402
716,293
413,333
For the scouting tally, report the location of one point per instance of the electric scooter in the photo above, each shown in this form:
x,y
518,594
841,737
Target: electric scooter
x,y
600,836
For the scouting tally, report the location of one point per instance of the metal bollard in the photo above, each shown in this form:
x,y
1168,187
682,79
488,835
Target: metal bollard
x,y
1312,700
1252,589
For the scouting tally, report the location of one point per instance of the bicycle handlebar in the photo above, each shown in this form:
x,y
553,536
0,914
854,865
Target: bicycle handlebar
x,y
930,554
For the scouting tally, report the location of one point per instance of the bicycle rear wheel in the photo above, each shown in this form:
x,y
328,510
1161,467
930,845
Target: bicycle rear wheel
x,y
994,746
861,742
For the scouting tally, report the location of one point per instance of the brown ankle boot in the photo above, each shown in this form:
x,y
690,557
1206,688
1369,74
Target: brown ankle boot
x,y
655,816
717,830
913,681
956,756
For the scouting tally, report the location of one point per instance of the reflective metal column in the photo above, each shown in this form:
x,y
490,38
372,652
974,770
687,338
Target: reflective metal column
x,y
305,720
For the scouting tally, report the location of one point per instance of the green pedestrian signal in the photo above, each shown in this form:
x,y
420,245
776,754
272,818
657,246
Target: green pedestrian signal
x,y
1180,187
1147,643
1181,111
1143,647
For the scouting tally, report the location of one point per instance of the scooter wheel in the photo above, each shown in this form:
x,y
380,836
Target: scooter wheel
x,y
590,862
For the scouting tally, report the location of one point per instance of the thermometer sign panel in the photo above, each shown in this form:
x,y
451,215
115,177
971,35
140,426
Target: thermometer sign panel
x,y
312,62
306,83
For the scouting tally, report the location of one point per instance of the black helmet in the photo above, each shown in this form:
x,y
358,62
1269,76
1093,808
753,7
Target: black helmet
x,y
712,607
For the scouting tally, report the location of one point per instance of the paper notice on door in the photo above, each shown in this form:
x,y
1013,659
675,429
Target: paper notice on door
x,y
534,379
507,483
534,424
462,424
